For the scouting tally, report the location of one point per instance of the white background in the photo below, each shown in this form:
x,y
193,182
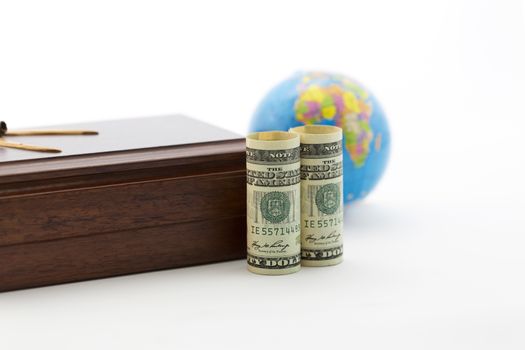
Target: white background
x,y
434,257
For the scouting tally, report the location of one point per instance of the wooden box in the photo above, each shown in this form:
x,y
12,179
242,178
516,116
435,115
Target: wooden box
x,y
145,194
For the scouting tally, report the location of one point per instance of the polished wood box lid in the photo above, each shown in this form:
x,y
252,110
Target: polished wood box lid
x,y
119,143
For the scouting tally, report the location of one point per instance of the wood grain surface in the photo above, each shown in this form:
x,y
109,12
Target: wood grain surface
x,y
121,252
92,215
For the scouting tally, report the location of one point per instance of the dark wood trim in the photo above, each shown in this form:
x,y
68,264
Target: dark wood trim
x,y
28,170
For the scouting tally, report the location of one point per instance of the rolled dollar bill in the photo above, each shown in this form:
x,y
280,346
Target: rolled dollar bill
x,y
273,202
321,194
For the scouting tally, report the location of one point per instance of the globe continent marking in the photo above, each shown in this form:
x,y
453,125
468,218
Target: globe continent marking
x,y
323,98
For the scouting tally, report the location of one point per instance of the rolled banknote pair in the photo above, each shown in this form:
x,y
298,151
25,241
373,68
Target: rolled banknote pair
x,y
294,199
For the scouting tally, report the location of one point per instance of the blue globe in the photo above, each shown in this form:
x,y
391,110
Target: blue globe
x,y
332,99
